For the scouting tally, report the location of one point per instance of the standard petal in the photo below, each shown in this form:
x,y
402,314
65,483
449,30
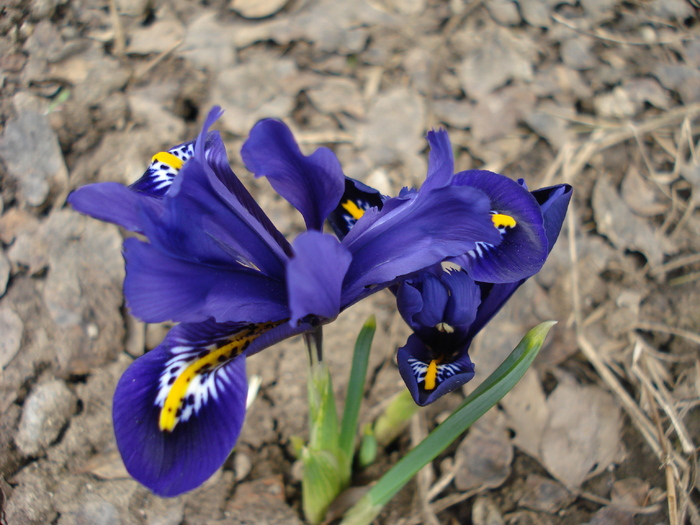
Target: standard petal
x,y
413,232
428,379
524,247
554,202
159,287
356,200
112,202
465,298
435,297
210,413
440,161
315,276
217,160
313,184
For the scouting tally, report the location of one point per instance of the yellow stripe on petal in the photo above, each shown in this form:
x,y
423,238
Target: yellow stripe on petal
x,y
169,159
353,209
503,221
175,400
431,375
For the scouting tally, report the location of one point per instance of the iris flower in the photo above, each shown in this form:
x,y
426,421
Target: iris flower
x,y
447,304
213,262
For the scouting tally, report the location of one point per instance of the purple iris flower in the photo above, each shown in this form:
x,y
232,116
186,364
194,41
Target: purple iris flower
x,y
215,263
447,304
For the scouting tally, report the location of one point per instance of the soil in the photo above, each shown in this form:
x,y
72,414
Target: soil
x,y
601,94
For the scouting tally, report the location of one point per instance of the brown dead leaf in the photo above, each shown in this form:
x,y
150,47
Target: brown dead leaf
x,y
611,516
544,494
582,436
526,409
485,454
486,512
498,114
630,492
641,196
494,55
623,228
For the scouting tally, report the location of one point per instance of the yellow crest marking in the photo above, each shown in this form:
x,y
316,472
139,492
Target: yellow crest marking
x,y
175,399
169,159
352,208
431,375
503,221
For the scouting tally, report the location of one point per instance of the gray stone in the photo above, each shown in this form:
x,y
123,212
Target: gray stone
x,y
535,12
32,155
503,12
31,502
257,8
576,53
11,328
45,413
208,44
43,9
261,501
395,126
261,88
98,513
336,95
457,114
83,286
131,7
4,272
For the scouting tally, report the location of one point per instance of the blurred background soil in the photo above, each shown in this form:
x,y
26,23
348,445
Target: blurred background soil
x,y
602,94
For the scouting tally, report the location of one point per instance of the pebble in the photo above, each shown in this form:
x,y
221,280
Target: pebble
x,y
45,413
504,12
98,513
242,465
257,8
11,328
4,273
576,53
32,499
33,157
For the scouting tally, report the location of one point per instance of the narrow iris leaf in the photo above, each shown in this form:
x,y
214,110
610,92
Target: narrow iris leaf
x,y
486,395
356,387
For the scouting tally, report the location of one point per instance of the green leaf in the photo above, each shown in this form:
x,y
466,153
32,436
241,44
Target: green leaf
x,y
356,387
486,395
321,483
323,417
